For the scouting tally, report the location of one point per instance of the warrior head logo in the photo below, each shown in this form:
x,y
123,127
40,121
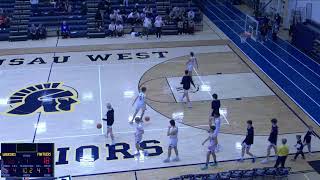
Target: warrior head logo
x,y
46,98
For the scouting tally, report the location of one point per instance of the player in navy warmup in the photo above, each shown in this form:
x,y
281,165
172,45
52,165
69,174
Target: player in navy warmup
x,y
247,142
215,104
273,137
186,84
307,138
110,121
299,147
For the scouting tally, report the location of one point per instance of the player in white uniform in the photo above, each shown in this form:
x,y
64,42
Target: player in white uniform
x,y
216,121
138,136
140,104
173,141
211,148
192,62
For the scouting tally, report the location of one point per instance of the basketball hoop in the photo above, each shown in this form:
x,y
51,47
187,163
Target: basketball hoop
x,y
244,36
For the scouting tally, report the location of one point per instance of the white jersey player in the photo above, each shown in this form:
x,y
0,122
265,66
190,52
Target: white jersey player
x,y
211,147
216,121
192,63
140,104
138,136
173,141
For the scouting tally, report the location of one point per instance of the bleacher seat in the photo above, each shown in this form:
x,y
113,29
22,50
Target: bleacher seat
x,y
257,173
224,175
247,174
80,25
236,174
7,6
187,177
52,18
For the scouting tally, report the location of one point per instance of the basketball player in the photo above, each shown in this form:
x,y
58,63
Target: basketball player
x,y
216,121
173,141
272,140
211,148
110,121
215,104
138,136
140,104
247,142
307,139
299,147
191,63
186,82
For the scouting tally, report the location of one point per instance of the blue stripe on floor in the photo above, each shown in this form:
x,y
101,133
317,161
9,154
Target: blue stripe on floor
x,y
290,69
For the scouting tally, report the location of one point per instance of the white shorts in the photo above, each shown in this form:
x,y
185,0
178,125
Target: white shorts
x,y
138,140
140,106
190,68
212,148
173,142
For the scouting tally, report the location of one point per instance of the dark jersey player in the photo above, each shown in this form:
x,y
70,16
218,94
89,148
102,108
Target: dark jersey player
x,y
299,147
247,142
215,104
186,84
110,121
307,138
273,137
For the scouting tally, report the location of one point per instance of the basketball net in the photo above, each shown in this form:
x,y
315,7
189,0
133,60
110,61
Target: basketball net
x,y
244,36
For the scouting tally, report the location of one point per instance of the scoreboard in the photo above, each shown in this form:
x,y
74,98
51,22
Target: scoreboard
x,y
27,160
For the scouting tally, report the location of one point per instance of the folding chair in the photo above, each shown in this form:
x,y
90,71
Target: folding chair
x,y
224,175
236,174
282,173
259,173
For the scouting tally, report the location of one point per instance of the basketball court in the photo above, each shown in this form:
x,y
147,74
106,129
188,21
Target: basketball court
x,y
86,74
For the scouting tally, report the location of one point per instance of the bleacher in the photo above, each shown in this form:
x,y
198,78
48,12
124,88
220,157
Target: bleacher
x,y
51,18
81,25
93,8
140,6
8,7
258,173
184,4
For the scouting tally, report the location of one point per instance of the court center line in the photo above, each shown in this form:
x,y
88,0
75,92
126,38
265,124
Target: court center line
x,y
100,94
36,127
39,116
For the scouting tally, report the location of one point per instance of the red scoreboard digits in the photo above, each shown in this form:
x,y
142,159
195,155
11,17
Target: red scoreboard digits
x,y
46,160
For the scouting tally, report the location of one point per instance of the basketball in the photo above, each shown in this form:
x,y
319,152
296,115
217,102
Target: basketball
x,y
147,118
99,126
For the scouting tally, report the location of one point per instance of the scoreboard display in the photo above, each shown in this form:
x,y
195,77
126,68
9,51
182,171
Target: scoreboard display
x,y
27,160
